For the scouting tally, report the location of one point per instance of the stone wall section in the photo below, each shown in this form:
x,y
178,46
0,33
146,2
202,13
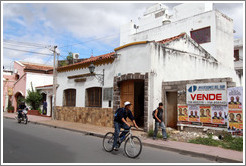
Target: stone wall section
x,y
88,115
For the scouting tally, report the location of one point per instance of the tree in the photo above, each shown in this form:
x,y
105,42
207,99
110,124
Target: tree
x,y
70,58
34,98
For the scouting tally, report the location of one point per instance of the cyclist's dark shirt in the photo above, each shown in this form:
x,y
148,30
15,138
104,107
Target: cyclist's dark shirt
x,y
123,113
22,106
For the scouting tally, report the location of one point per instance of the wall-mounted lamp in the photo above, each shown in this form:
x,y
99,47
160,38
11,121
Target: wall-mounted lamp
x,y
99,77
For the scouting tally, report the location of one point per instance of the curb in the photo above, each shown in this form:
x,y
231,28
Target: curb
x,y
180,151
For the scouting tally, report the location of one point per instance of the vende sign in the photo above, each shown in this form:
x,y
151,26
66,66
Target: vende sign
x,y
210,93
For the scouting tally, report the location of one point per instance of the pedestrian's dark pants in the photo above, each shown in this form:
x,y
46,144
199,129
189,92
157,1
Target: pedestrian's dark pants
x,y
163,127
117,127
44,110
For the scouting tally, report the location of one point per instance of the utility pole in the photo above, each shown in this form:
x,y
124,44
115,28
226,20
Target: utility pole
x,y
54,84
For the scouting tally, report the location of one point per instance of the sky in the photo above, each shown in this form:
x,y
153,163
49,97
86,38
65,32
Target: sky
x,y
84,28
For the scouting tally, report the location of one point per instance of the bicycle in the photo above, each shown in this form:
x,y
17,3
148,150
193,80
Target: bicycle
x,y
132,147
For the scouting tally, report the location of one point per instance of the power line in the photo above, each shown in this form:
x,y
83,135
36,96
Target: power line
x,y
26,43
27,51
89,41
20,45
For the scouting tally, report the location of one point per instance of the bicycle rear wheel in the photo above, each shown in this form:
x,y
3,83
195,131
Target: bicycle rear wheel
x,y
108,141
133,147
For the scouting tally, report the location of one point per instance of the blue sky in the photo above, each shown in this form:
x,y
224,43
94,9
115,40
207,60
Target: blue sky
x,y
76,27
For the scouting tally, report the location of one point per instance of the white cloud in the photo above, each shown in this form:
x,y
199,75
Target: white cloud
x,y
59,23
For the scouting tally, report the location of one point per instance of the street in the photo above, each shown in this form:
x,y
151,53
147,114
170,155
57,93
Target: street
x,y
33,143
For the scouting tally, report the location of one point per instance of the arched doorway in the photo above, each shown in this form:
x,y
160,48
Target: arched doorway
x,y
18,98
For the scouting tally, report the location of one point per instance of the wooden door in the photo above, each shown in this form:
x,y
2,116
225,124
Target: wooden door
x,y
172,109
127,94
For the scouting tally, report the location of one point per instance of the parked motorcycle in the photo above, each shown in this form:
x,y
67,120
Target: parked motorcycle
x,y
22,115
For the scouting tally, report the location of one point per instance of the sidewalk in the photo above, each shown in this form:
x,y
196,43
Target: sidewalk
x,y
209,152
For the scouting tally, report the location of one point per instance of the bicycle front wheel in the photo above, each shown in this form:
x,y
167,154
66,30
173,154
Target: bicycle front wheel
x,y
108,141
133,147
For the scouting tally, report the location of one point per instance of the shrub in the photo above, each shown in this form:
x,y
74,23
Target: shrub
x,y
34,98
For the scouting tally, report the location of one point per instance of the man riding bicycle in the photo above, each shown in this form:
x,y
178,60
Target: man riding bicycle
x,y
120,122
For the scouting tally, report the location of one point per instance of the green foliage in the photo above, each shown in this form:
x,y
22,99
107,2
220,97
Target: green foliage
x,y
159,135
228,142
205,141
10,107
39,110
62,63
34,98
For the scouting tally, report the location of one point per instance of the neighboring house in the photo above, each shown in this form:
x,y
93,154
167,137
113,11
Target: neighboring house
x,y
8,85
137,72
238,58
47,92
27,75
208,27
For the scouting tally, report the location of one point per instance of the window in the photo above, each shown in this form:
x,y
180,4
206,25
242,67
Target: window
x,y
94,97
69,97
201,35
236,55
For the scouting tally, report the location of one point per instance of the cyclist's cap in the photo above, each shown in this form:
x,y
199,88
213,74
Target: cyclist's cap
x,y
127,103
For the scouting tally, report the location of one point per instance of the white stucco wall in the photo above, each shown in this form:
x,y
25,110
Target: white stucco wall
x,y
221,27
65,83
168,65
133,59
38,79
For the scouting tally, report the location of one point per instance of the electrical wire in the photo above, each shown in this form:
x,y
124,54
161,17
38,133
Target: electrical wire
x,y
26,43
27,51
89,41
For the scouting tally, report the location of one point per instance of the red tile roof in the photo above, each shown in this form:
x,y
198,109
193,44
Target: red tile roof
x,y
45,86
87,62
34,66
171,38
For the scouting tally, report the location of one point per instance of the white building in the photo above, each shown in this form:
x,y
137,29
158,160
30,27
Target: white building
x,y
238,58
209,28
136,73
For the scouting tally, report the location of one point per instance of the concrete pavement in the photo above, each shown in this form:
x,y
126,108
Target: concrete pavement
x,y
213,153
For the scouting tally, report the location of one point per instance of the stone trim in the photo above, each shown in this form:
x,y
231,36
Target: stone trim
x,y
131,76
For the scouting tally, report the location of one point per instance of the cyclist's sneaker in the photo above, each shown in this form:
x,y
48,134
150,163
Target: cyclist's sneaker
x,y
115,149
165,139
154,138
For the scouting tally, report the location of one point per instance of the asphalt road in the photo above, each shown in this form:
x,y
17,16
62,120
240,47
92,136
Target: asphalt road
x,y
34,143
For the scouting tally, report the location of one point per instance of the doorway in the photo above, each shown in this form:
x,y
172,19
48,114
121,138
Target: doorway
x,y
133,91
172,109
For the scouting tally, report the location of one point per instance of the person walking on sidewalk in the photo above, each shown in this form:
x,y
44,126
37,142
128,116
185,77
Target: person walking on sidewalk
x,y
44,108
120,122
159,122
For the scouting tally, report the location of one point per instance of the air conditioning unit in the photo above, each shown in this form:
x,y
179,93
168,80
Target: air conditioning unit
x,y
75,55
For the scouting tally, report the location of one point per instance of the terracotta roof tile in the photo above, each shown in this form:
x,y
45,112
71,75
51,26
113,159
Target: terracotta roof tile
x,y
90,60
171,38
34,66
44,86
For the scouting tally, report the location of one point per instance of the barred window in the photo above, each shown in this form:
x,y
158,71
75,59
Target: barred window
x,y
69,97
94,97
201,35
